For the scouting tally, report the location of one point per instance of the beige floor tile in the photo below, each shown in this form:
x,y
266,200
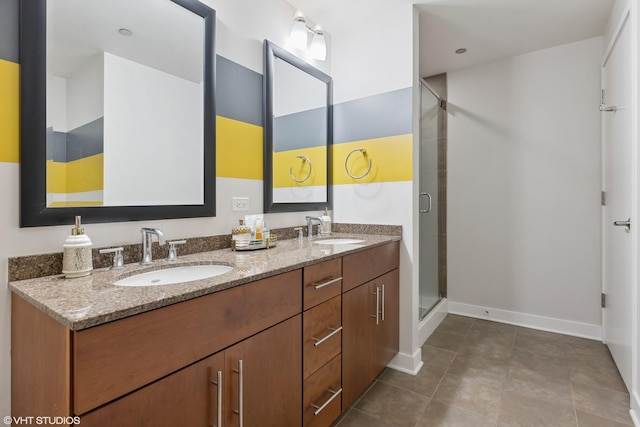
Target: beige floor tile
x,y
589,420
481,324
439,414
445,340
600,371
424,382
543,343
602,402
469,394
393,405
356,418
556,367
436,359
491,371
585,349
457,325
522,411
491,345
538,386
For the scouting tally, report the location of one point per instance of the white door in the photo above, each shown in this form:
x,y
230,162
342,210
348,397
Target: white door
x,y
617,151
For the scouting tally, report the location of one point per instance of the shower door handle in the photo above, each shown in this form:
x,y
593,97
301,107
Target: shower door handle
x,y
626,223
426,210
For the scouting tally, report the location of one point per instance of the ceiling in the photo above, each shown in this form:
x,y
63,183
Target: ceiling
x,y
489,29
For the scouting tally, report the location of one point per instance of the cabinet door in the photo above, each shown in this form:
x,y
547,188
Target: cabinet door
x,y
188,397
358,341
264,375
387,341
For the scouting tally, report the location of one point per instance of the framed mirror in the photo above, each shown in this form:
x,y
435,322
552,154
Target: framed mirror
x,y
117,110
298,133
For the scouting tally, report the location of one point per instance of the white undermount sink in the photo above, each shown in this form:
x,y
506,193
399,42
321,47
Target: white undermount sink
x,y
343,241
173,275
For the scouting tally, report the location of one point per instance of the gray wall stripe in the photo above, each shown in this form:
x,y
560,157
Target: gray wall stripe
x,y
376,116
9,30
300,130
238,92
84,141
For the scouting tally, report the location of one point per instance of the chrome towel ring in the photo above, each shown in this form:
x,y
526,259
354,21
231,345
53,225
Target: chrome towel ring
x,y
300,181
346,163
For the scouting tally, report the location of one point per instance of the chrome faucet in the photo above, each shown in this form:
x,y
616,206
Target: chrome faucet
x,y
310,220
147,235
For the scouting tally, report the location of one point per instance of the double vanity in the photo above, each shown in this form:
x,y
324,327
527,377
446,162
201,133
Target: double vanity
x,y
287,336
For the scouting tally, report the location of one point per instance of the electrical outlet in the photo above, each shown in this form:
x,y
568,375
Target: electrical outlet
x,y
239,204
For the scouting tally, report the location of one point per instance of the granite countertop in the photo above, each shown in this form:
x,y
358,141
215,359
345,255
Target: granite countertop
x,y
84,302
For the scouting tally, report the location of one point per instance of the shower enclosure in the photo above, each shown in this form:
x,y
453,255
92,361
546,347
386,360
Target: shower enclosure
x,y
432,186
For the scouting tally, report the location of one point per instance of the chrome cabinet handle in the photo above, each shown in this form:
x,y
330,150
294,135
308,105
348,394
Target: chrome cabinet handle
x,y
382,303
426,210
334,394
330,282
218,384
240,411
334,331
377,294
626,223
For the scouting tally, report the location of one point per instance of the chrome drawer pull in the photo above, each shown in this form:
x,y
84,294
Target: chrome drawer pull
x,y
324,405
382,302
334,331
240,411
219,385
330,282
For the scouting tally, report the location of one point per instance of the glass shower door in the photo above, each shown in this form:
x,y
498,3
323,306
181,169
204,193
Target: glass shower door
x,y
430,125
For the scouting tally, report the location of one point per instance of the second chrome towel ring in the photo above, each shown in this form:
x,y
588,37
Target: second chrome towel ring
x,y
300,181
365,155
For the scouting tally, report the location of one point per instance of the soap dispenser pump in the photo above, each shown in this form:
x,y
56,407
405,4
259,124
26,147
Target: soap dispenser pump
x,y
326,224
76,257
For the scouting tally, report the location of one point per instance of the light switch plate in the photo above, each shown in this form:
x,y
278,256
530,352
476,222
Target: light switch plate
x,y
239,204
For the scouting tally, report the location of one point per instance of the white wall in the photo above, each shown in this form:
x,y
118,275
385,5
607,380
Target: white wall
x,y
163,116
523,188
85,94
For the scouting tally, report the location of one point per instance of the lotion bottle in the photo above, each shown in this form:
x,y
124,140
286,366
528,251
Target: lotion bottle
x,y
326,226
76,257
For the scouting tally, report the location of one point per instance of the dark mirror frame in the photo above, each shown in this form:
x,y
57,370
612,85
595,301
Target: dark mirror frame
x,y
33,209
272,51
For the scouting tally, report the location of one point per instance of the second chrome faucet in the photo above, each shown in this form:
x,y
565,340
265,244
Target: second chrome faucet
x,y
147,237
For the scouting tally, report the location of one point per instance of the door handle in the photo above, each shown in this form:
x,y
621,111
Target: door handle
x,y
626,223
429,196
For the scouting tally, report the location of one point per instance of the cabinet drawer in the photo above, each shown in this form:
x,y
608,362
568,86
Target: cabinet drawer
x,y
363,266
118,357
322,395
322,335
321,282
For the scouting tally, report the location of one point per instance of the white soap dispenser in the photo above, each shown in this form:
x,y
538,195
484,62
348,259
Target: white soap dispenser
x,y
76,258
326,226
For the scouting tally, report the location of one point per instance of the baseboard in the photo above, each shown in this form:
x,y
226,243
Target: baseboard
x,y
635,409
550,324
407,363
432,320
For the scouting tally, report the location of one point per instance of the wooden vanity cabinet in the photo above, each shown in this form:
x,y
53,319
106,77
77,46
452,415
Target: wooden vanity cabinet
x,y
257,379
322,343
370,317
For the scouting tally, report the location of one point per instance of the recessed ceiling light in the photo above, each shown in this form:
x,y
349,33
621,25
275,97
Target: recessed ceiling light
x,y
125,32
461,50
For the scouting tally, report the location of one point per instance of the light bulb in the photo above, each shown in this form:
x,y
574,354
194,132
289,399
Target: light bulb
x,y
318,46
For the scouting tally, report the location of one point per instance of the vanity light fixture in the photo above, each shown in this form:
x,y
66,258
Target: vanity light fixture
x,y
299,37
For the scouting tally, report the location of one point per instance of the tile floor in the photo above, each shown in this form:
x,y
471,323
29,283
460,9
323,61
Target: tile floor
x,y
481,373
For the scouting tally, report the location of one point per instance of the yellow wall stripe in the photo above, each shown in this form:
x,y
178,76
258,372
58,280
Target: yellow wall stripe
x,y
391,159
238,149
77,176
9,111
285,162
74,204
